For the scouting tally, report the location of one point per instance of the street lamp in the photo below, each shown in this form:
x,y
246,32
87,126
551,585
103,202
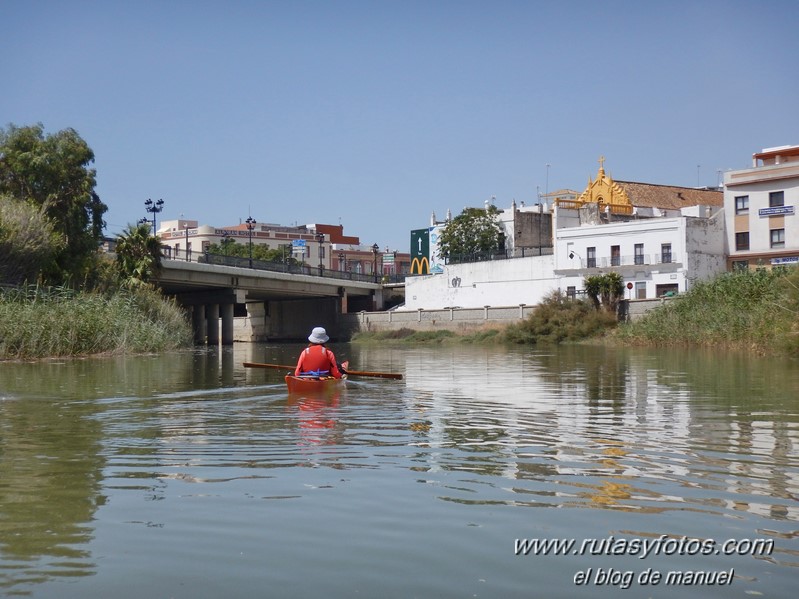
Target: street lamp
x,y
320,237
341,263
188,255
225,242
154,208
375,250
250,226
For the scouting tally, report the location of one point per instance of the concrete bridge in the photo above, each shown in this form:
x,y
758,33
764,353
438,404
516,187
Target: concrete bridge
x,y
255,305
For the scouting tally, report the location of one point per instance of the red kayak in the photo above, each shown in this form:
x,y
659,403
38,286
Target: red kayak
x,y
309,384
314,384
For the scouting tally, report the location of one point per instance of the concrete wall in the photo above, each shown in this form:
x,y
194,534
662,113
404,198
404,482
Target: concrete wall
x,y
462,320
635,309
705,247
468,320
477,284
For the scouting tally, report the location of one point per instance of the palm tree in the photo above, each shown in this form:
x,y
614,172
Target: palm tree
x,y
139,255
608,287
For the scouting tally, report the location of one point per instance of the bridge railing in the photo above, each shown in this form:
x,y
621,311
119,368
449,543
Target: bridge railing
x,y
286,267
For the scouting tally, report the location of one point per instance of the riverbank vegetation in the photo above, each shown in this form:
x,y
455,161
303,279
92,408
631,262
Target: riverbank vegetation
x,y
557,319
753,310
59,295
39,323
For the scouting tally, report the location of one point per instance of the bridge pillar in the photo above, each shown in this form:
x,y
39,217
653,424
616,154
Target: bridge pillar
x,y
227,324
198,323
212,317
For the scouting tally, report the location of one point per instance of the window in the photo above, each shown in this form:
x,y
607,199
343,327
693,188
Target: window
x,y
776,198
639,253
615,255
740,265
742,205
742,241
665,253
640,290
667,290
571,292
591,257
778,238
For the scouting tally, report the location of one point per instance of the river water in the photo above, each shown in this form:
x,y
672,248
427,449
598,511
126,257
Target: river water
x,y
485,472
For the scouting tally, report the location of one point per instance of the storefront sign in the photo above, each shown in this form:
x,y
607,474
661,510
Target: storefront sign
x,y
775,211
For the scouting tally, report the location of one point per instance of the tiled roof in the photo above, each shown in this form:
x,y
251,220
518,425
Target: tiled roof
x,y
669,197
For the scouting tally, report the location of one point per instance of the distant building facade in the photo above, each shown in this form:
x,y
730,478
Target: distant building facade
x,y
313,244
659,238
760,205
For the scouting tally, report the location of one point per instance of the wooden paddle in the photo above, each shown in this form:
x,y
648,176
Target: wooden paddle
x,y
381,375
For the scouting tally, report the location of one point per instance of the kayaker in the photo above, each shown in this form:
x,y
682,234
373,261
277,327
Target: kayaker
x,y
316,359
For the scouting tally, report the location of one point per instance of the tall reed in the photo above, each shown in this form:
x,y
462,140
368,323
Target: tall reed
x,y
756,310
52,322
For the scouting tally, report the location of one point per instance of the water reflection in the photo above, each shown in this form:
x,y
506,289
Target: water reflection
x,y
317,417
96,455
50,489
618,428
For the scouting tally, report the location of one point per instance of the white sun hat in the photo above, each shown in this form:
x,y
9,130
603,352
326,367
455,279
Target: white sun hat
x,y
318,335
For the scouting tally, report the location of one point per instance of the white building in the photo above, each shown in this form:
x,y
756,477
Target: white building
x,y
760,204
659,238
657,255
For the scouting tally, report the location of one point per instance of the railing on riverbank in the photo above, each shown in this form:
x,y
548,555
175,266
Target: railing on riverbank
x,y
521,252
456,319
460,319
285,267
320,271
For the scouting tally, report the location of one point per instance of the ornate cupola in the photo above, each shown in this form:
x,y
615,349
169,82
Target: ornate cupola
x,y
608,195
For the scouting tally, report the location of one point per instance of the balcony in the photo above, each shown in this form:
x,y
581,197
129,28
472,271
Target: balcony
x,y
610,262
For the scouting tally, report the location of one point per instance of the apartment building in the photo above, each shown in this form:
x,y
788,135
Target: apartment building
x,y
660,238
760,207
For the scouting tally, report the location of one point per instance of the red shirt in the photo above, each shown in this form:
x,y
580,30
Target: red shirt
x,y
317,360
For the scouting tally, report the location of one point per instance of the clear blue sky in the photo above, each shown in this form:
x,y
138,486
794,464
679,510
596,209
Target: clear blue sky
x,y
374,114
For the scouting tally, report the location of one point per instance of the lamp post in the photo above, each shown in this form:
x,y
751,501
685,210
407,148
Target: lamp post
x,y
154,208
341,264
250,226
375,250
320,237
188,255
225,241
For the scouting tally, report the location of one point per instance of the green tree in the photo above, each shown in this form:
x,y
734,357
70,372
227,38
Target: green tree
x,y
52,173
281,255
138,254
605,290
474,233
27,241
593,287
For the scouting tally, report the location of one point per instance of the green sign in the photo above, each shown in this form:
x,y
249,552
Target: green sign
x,y
420,252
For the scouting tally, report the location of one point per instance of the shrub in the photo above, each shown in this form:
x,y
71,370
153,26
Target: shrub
x,y
37,323
559,319
756,310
